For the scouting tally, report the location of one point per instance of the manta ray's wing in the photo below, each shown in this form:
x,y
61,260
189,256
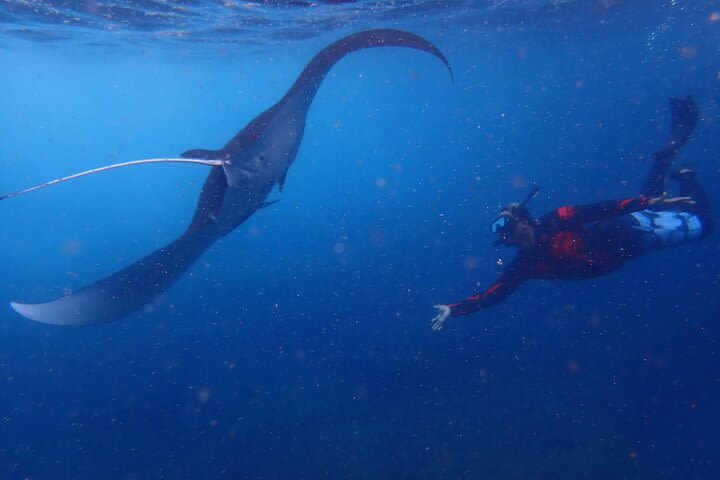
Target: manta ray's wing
x,y
315,71
126,291
144,281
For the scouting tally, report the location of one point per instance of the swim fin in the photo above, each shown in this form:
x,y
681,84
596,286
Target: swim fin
x,y
684,115
684,118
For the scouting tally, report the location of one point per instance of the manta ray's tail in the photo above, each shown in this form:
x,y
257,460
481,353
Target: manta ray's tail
x,y
315,71
127,290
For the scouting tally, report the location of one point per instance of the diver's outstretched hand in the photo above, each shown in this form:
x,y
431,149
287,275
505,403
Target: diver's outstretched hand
x,y
670,201
438,322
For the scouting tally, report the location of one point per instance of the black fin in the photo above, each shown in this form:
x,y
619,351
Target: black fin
x,y
201,153
281,182
684,114
267,204
684,118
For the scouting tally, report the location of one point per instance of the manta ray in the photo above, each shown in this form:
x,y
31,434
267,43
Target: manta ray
x,y
243,174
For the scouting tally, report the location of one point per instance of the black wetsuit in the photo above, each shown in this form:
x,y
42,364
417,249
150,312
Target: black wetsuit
x,y
578,242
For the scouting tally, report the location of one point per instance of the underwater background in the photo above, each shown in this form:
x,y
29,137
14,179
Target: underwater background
x,y
299,346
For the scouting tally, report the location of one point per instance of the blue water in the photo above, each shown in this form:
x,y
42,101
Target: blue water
x,y
300,346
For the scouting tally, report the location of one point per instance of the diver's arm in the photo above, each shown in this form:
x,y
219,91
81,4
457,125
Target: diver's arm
x,y
497,292
508,282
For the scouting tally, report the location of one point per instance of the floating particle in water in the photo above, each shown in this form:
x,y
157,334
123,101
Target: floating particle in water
x,y
204,395
689,51
518,181
91,7
573,366
471,262
72,247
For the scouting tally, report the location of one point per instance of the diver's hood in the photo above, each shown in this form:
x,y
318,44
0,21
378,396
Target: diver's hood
x,y
520,210
516,211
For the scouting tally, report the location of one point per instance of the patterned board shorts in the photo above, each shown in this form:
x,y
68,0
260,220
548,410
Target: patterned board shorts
x,y
670,228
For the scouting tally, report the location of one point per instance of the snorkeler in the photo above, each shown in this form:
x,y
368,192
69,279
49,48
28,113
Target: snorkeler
x,y
587,241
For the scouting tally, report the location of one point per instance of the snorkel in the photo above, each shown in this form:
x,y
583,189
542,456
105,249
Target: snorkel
x,y
532,194
505,223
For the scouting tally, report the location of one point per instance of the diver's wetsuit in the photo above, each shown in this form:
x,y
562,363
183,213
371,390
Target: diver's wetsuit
x,y
577,242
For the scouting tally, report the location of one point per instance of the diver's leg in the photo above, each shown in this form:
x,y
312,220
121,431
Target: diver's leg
x,y
646,230
654,185
684,117
631,235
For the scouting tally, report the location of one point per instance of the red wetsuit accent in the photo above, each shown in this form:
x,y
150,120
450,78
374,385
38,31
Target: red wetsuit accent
x,y
570,244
